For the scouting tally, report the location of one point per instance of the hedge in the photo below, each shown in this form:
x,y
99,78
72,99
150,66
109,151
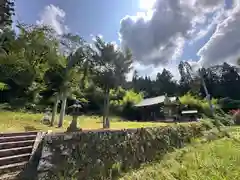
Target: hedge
x,y
105,155
228,104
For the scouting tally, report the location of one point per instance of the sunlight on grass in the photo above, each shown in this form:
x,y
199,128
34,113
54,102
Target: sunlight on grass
x,y
216,160
17,121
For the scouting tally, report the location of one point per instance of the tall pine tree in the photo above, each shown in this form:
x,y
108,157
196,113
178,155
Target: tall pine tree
x,y
6,12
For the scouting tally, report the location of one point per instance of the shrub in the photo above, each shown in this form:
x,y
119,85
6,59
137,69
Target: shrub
x,y
122,103
105,155
207,123
224,119
220,119
200,104
227,104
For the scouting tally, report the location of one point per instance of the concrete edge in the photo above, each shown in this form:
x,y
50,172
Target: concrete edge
x,y
38,139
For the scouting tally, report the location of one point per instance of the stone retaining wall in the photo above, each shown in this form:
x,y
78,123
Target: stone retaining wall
x,y
104,154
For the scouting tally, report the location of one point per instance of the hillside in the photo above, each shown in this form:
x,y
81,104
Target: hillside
x,y
215,160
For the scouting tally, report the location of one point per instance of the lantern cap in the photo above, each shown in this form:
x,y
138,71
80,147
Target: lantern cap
x,y
76,108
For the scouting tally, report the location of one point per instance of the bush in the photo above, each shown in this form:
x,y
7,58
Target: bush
x,y
224,119
228,104
123,101
105,155
200,104
220,119
207,123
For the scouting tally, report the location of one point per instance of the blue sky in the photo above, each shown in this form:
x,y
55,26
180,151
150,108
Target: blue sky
x,y
161,36
83,16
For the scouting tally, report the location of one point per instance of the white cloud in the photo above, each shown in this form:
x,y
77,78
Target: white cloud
x,y
211,23
54,17
157,37
209,5
146,4
194,64
151,70
224,45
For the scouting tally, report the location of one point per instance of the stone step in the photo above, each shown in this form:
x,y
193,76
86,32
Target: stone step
x,y
15,151
18,134
10,176
17,138
12,167
14,159
8,145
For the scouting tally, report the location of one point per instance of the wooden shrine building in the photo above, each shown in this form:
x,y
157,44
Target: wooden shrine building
x,y
159,108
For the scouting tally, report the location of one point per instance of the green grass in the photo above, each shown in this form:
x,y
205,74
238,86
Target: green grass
x,y
215,160
17,121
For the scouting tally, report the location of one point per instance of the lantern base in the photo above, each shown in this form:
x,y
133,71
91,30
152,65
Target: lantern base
x,y
73,126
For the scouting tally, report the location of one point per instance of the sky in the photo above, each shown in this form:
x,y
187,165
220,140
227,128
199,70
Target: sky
x,y
160,33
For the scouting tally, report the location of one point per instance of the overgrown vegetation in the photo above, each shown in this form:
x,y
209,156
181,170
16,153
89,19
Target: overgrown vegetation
x,y
201,105
211,159
40,69
111,153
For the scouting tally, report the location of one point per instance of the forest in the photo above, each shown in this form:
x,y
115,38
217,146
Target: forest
x,y
39,69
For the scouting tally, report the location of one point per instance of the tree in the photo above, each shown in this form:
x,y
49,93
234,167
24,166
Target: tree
x,y
165,84
6,12
78,61
230,80
54,78
188,76
111,67
62,79
27,57
186,79
65,89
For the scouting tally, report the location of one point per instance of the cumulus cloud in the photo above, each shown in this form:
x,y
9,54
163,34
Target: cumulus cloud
x,y
153,41
211,23
54,17
210,5
224,45
159,36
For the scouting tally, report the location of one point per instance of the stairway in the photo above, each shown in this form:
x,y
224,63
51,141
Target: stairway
x,y
15,151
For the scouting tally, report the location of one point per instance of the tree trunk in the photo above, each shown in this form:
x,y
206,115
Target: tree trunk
x,y
35,93
63,107
54,111
208,96
107,122
104,109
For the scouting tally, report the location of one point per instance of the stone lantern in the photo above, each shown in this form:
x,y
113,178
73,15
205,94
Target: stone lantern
x,y
46,117
75,111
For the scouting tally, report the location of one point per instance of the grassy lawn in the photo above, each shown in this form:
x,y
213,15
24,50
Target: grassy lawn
x,y
16,121
216,160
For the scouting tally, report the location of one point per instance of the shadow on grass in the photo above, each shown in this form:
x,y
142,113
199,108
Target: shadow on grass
x,y
29,128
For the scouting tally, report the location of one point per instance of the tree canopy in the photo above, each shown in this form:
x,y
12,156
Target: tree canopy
x,y
40,69
7,10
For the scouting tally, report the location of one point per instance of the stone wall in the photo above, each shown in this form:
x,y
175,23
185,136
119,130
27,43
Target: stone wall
x,y
59,145
106,154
